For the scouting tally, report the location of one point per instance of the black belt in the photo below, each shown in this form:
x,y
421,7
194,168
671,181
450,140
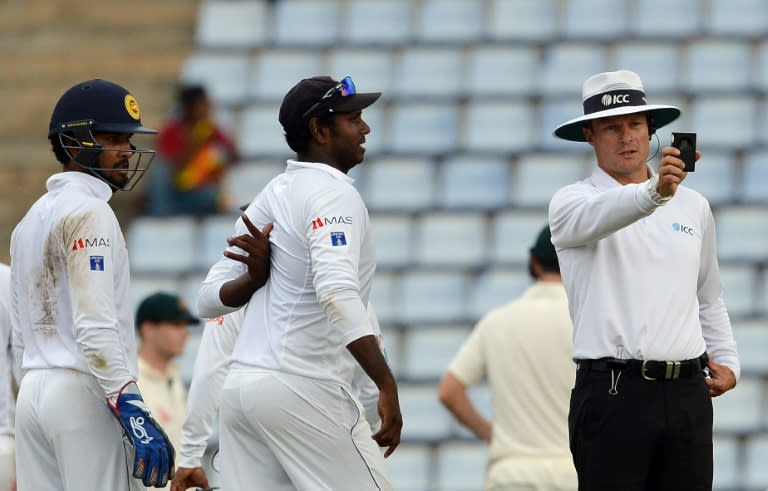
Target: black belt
x,y
648,369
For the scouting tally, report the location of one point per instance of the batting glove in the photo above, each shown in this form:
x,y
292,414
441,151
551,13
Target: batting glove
x,y
153,460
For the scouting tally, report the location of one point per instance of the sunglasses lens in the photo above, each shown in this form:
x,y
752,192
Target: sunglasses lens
x,y
348,86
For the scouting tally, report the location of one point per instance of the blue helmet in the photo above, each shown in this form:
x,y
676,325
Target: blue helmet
x,y
98,106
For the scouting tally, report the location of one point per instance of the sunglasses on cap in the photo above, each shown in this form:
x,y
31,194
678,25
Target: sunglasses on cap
x,y
346,88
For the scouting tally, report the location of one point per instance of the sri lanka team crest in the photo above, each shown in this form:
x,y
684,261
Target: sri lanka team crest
x,y
132,106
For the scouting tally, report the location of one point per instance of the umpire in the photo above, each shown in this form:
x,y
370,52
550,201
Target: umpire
x,y
652,337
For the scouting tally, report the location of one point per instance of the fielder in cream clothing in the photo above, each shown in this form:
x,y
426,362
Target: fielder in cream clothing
x,y
289,353
524,350
653,339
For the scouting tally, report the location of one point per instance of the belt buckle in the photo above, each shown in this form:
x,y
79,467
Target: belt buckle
x,y
673,370
643,368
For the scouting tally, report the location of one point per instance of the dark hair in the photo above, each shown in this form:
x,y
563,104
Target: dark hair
x,y
298,136
58,150
547,265
189,94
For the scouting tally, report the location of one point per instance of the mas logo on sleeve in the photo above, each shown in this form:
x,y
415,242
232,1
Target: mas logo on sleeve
x,y
322,222
82,243
338,239
97,263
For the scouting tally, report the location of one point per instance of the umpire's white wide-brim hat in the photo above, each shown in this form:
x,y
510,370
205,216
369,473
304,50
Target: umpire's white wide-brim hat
x,y
613,94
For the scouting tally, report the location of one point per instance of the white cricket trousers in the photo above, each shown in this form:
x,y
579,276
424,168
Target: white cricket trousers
x,y
283,432
67,438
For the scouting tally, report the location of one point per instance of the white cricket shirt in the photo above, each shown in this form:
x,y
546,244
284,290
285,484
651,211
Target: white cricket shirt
x,y
323,262
71,304
7,401
642,279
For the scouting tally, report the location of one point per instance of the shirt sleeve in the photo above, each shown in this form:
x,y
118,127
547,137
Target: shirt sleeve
x,y
334,250
362,384
211,368
209,302
17,340
469,363
579,214
713,315
90,271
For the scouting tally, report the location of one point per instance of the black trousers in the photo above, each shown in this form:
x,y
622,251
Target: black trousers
x,y
648,436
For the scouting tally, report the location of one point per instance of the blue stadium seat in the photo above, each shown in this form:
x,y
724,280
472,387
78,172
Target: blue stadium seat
x,y
409,466
567,65
423,128
261,134
727,468
755,177
377,22
752,342
514,233
426,296
474,182
371,69
761,62
662,19
756,476
451,239
391,344
232,24
275,71
737,17
714,64
657,63
243,182
497,287
497,126
714,177
162,245
214,231
450,20
581,20
554,112
739,285
537,176
725,122
740,410
394,183
383,297
428,352
225,76
375,117
394,236
501,70
524,20
429,72
305,22
741,232
461,466
427,418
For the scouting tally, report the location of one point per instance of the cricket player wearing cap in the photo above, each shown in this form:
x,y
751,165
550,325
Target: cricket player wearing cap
x,y
289,418
81,422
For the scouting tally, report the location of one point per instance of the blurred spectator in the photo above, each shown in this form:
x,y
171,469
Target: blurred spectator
x,y
162,320
194,153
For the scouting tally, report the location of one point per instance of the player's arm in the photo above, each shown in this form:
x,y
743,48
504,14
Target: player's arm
x,y
234,278
453,394
211,368
91,284
362,384
715,323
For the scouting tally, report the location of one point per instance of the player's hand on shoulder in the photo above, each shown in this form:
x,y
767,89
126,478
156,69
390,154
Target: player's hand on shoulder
x,y
189,477
722,380
391,420
256,246
153,460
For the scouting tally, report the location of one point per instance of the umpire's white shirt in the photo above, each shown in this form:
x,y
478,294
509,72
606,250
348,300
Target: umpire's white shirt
x,y
70,282
642,279
323,262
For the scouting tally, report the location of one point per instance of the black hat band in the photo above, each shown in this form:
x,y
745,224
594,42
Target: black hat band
x,y
613,99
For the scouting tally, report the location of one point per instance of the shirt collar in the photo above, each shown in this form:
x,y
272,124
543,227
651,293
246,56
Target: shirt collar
x,y
294,165
603,180
91,185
